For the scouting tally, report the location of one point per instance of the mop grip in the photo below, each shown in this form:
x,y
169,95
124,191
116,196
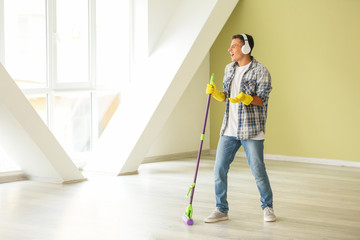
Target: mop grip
x,y
212,79
190,188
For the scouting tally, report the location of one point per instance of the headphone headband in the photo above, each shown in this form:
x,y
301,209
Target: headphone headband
x,y
246,49
245,37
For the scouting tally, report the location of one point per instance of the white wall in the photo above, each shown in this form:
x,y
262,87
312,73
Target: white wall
x,y
159,15
181,132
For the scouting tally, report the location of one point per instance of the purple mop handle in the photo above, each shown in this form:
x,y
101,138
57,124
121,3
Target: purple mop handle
x,y
201,140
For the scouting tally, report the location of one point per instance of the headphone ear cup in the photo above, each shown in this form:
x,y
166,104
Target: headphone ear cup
x,y
245,48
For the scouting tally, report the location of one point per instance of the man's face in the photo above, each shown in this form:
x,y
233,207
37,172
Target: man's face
x,y
235,50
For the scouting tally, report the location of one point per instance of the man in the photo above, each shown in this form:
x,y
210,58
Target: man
x,y
246,89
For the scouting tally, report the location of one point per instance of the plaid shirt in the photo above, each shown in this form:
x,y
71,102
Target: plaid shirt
x,y
256,81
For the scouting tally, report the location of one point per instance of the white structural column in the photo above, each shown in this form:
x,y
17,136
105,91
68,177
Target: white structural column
x,y
27,139
159,79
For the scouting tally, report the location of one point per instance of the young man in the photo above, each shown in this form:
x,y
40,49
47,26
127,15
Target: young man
x,y
246,89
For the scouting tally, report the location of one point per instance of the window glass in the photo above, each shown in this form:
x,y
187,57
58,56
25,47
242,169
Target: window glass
x,y
72,41
72,121
112,38
25,42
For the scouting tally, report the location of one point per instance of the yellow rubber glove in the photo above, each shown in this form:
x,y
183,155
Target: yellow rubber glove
x,y
242,97
211,89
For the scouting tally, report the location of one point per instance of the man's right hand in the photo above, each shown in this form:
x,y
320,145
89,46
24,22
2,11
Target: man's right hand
x,y
211,89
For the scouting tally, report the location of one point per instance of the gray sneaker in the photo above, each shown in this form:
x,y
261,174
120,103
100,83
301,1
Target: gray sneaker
x,y
216,216
269,215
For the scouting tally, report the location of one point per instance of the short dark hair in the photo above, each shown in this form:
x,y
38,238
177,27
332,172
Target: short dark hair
x,y
249,37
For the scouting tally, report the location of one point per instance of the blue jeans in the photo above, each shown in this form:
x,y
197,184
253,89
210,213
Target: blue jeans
x,y
225,154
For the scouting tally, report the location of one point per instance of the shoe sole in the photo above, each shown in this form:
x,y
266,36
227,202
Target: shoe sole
x,y
213,220
269,219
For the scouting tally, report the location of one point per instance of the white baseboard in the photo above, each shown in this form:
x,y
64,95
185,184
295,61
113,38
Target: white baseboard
x,y
12,176
175,156
323,161
55,180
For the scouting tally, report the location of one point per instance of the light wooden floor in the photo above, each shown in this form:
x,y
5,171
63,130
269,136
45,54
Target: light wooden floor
x,y
311,202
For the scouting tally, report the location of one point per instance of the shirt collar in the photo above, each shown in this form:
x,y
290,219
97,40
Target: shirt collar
x,y
251,63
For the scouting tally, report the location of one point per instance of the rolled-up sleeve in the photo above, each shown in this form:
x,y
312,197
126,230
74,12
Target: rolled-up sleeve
x,y
264,87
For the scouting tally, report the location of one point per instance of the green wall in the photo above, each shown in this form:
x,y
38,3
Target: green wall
x,y
312,50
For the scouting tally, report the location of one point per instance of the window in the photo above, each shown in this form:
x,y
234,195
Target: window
x,y
25,42
70,58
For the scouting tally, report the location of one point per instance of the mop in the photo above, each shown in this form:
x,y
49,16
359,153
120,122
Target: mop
x,y
187,217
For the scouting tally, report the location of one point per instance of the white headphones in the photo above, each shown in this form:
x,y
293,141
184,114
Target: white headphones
x,y
246,49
